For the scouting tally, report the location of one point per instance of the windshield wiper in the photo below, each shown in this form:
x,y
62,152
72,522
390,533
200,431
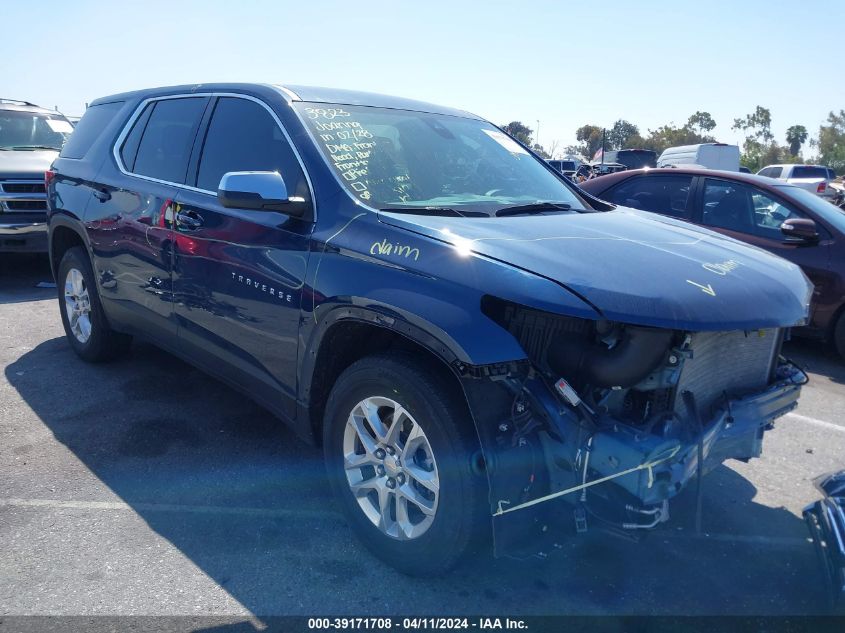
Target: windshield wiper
x,y
19,147
447,211
533,208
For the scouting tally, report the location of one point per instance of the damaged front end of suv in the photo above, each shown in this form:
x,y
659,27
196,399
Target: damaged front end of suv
x,y
609,421
658,358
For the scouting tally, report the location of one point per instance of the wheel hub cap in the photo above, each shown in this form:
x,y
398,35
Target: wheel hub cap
x,y
390,468
77,305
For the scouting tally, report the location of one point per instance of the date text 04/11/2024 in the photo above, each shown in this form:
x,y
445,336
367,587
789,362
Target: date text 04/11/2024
x,y
409,624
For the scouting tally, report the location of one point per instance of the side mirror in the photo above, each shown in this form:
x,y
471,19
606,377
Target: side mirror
x,y
803,229
257,190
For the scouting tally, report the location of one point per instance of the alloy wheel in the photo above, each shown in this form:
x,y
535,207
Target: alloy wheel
x,y
77,305
390,468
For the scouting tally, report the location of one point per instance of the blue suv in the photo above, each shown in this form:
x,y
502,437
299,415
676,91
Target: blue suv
x,y
479,346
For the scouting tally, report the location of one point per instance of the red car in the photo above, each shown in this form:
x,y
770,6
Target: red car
x,y
780,218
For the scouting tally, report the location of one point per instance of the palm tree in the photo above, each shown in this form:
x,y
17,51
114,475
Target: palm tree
x,y
795,137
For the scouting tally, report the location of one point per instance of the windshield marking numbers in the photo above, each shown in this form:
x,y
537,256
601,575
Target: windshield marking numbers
x,y
386,248
708,289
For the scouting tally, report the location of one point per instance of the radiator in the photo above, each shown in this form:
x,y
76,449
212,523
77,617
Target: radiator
x,y
732,363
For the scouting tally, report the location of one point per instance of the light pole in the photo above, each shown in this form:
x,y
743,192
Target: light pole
x,y
537,138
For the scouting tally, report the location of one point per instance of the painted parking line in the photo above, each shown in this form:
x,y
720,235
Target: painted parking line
x,y
822,423
168,507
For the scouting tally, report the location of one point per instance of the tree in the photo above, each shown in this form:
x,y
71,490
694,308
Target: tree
x,y
619,135
796,135
542,153
554,146
519,131
590,137
573,150
757,125
758,148
701,122
831,142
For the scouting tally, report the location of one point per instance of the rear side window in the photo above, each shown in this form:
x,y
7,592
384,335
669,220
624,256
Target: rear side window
x,y
809,172
667,195
243,136
167,139
771,172
129,149
89,128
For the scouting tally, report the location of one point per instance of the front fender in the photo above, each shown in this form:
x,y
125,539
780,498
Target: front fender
x,y
425,284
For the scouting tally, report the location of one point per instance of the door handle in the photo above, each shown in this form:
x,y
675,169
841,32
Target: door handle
x,y
189,220
102,195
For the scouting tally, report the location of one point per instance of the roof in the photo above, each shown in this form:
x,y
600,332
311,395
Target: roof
x,y
597,185
23,106
795,165
354,97
292,93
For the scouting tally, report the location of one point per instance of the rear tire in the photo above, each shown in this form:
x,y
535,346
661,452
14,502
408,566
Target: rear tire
x,y
85,323
417,504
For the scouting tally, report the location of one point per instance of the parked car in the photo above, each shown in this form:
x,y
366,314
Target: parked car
x,y
564,166
814,178
707,155
631,158
783,219
472,339
30,138
825,519
600,169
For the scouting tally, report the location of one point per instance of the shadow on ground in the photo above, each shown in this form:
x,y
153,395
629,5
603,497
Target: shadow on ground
x,y
817,356
20,275
159,433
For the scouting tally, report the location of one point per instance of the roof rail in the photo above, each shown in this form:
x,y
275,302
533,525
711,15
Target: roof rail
x,y
17,101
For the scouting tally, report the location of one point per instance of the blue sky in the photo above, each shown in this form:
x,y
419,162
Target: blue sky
x,y
562,63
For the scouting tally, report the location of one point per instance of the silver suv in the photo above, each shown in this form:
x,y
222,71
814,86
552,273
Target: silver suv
x,y
30,139
814,178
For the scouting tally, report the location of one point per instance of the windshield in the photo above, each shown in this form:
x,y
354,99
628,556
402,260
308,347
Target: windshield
x,y
32,130
417,161
828,212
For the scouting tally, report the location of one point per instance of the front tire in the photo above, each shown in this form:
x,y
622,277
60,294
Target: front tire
x,y
85,323
398,446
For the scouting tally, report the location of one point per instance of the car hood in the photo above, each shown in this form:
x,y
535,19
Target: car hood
x,y
637,267
26,163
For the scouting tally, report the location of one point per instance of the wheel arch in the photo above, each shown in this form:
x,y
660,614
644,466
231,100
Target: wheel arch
x,y
350,333
64,235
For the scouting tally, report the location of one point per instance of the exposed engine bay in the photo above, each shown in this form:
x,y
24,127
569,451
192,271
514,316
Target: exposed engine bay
x,y
607,421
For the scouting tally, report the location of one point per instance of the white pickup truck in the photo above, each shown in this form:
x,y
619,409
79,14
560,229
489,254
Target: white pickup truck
x,y
813,178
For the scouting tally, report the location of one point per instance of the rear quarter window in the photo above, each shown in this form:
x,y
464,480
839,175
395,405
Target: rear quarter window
x,y
89,128
809,172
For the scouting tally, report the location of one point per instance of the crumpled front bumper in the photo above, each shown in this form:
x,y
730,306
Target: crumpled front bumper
x,y
736,431
632,470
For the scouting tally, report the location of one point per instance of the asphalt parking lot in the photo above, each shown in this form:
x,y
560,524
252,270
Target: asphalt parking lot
x,y
144,487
